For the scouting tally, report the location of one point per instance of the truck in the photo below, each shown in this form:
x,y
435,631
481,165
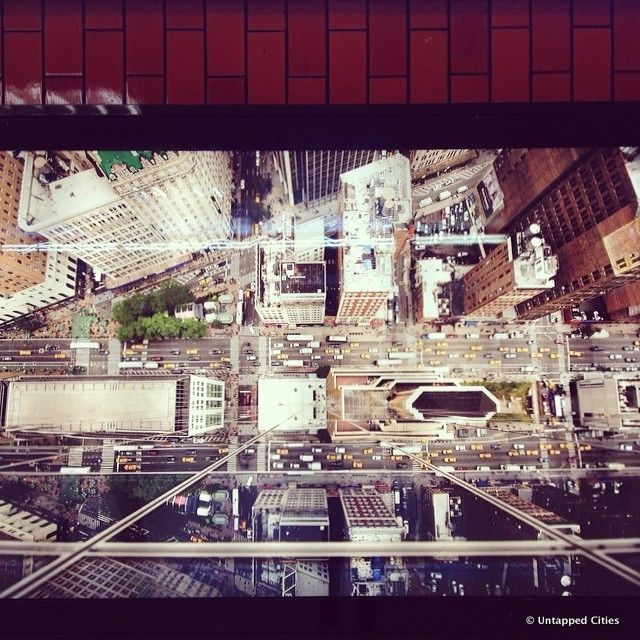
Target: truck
x,y
293,363
510,467
434,335
306,457
615,465
306,350
387,362
499,336
444,195
315,466
314,344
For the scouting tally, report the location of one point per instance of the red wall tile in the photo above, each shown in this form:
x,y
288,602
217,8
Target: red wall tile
x,y
428,14
429,73
185,14
470,88
63,90
185,67
145,37
20,15
510,65
592,13
347,67
307,38
510,13
347,14
550,33
627,86
225,91
626,30
103,14
265,68
551,87
307,90
388,90
63,37
387,38
104,73
469,36
22,68
145,90
225,38
591,79
265,15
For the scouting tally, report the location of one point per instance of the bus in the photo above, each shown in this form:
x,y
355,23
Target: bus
x,y
73,471
293,363
84,345
239,315
387,362
299,337
402,355
136,364
333,339
434,335
235,501
150,365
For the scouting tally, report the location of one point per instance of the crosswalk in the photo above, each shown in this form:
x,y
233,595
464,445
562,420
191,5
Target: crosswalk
x,y
233,446
261,457
106,466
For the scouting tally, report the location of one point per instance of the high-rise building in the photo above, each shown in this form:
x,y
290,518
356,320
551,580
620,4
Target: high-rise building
x,y
623,303
505,277
428,162
19,270
315,175
431,300
112,403
136,213
374,199
406,403
443,513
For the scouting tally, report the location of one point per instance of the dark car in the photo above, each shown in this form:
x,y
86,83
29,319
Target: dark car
x,y
175,352
171,459
194,358
596,348
190,452
215,352
104,352
255,364
336,464
402,465
496,447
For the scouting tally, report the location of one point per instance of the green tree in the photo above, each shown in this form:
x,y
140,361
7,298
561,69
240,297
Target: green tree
x,y
193,329
216,324
70,489
174,294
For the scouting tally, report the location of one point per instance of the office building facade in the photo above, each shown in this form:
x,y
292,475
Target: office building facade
x,y
428,162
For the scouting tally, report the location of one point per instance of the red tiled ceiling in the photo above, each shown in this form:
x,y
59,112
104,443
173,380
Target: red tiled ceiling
x,y
429,73
592,13
265,68
347,14
103,14
388,90
591,81
510,13
265,15
145,90
347,67
63,37
185,67
626,27
185,14
63,90
307,90
470,88
627,86
225,91
551,87
387,38
104,67
23,68
469,36
510,65
307,38
550,33
428,14
145,37
225,38
21,15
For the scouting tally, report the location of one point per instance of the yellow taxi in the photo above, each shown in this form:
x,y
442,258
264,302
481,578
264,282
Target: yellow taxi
x,y
282,356
354,345
225,359
282,452
545,446
563,445
441,353
223,450
330,352
555,452
396,458
357,464
196,539
575,354
469,356
193,352
172,365
131,467
427,350
477,447
393,349
367,452
522,349
495,362
60,356
585,447
212,365
484,455
434,363
503,349
544,349
137,347
532,452
345,350
128,352
514,453
442,344
347,456
365,356
434,454
450,459
188,459
535,354
331,456
553,356
476,347
447,451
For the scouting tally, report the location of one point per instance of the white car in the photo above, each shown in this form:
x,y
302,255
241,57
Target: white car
x,y
626,447
518,446
460,447
278,345
316,357
376,457
242,183
509,355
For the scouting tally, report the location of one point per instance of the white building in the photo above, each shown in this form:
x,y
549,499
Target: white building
x,y
137,213
431,274
367,516
374,200
292,404
17,524
426,162
115,404
290,292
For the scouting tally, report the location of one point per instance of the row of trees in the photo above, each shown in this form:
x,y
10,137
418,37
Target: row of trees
x,y
150,315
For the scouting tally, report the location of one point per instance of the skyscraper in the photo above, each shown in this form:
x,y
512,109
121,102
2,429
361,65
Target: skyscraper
x,y
427,162
136,213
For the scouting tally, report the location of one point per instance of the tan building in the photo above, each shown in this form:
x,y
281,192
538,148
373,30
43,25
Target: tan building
x,y
19,270
427,162
501,280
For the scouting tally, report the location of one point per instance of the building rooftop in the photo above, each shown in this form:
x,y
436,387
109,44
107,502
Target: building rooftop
x,y
292,404
431,274
302,277
364,507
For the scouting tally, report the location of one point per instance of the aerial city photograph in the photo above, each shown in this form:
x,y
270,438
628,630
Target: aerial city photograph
x,y
319,373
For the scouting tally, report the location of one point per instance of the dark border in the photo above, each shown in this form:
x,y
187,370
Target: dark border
x,y
320,127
